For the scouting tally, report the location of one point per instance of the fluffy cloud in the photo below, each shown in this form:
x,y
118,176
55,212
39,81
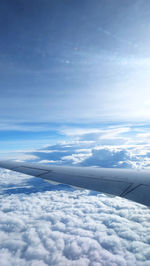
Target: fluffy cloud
x,y
45,224
42,224
108,158
94,154
110,146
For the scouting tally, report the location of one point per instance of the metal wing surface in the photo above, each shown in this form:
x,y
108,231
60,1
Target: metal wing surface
x,y
127,183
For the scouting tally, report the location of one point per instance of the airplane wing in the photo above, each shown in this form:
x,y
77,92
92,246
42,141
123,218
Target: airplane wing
x,y
127,183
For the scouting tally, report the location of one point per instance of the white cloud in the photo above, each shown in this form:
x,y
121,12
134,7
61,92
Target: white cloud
x,y
114,133
48,161
112,146
93,154
76,158
107,132
69,131
66,227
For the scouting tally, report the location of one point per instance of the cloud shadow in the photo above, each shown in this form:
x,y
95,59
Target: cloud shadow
x,y
33,185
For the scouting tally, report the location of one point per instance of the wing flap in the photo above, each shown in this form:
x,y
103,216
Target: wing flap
x,y
140,194
103,185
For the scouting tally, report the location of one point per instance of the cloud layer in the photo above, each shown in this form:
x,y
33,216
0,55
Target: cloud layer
x,y
45,224
112,146
42,224
108,146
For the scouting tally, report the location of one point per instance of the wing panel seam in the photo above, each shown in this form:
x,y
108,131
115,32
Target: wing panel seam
x,y
127,192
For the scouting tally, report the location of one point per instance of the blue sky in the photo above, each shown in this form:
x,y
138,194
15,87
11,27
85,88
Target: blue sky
x,y
71,64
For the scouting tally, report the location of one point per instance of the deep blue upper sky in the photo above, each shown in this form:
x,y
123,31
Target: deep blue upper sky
x,y
68,62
